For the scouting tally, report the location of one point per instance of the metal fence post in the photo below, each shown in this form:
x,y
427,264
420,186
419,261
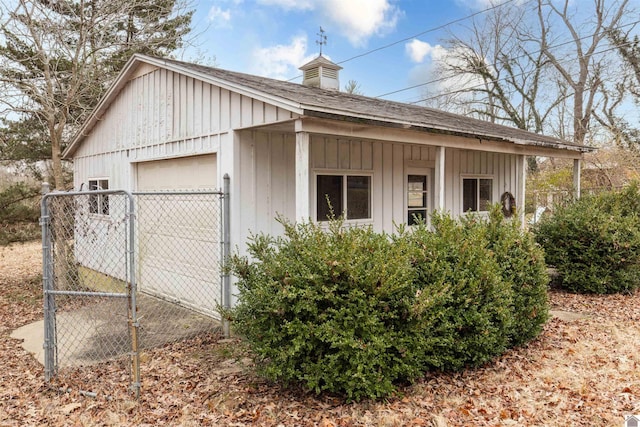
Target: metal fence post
x,y
49,344
132,291
226,247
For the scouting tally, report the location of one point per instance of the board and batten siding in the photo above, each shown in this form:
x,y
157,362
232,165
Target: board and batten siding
x,y
267,183
390,162
267,188
161,114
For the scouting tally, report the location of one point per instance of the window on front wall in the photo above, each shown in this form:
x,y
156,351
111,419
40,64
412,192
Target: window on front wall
x,y
99,203
477,194
417,198
348,195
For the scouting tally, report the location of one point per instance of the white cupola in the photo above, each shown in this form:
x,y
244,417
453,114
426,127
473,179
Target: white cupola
x,y
322,73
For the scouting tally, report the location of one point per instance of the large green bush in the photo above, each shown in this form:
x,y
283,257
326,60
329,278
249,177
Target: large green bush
x,y
354,312
594,242
521,263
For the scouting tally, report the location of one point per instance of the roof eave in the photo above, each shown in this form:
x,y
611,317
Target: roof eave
x,y
313,111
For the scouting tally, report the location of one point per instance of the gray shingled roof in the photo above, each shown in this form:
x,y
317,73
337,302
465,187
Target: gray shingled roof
x,y
344,106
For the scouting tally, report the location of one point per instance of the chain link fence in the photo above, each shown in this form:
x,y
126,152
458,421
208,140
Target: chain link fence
x,y
126,272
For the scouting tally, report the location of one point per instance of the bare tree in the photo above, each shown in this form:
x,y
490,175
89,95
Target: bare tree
x,y
584,73
541,69
57,57
353,87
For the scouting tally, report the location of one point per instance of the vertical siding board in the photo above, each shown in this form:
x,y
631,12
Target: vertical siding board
x,y
278,178
387,185
248,186
206,109
377,187
356,154
225,110
216,109
490,157
397,191
257,112
367,155
270,113
155,107
331,153
162,105
317,152
290,155
197,107
513,176
343,154
263,181
150,107
416,152
235,110
171,93
452,180
246,111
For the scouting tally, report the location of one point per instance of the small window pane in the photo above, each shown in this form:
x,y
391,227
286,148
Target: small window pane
x,y
328,186
469,194
485,194
416,191
358,197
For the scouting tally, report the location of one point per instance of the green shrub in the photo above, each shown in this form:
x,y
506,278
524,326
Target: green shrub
x,y
353,312
461,313
522,265
594,242
319,307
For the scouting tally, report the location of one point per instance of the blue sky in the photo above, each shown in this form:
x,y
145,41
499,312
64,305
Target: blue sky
x,y
274,37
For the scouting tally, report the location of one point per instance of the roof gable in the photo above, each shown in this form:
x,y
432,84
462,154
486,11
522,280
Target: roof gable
x,y
313,101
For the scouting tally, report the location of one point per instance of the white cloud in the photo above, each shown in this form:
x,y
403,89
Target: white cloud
x,y
360,19
219,17
357,20
280,61
418,50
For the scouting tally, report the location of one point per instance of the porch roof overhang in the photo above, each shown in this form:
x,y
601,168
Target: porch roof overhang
x,y
342,126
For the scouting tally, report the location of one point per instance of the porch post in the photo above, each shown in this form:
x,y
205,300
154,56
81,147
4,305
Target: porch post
x,y
522,186
439,179
576,178
303,209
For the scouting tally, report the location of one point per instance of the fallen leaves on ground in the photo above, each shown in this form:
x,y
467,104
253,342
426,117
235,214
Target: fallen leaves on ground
x,y
583,372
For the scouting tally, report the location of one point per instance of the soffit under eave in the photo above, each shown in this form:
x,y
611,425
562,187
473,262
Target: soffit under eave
x,y
392,132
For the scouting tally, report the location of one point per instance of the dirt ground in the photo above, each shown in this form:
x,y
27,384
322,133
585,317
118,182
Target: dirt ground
x,y
583,371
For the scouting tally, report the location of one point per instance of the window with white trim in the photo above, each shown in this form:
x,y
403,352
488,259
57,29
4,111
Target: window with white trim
x,y
477,194
99,203
417,198
343,194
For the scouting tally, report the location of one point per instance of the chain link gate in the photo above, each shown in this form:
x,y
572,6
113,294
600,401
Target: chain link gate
x,y
88,281
125,272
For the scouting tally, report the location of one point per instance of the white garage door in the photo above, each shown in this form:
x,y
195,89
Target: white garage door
x,y
179,231
186,173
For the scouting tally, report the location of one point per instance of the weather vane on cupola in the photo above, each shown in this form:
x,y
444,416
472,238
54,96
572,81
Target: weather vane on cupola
x,y
322,39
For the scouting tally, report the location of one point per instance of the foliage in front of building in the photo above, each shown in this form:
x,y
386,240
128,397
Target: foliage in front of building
x,y
19,213
350,311
594,242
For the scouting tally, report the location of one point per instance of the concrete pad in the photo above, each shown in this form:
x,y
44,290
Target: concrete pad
x,y
33,339
99,331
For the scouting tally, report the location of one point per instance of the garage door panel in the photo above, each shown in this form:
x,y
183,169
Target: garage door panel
x,y
185,173
179,233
